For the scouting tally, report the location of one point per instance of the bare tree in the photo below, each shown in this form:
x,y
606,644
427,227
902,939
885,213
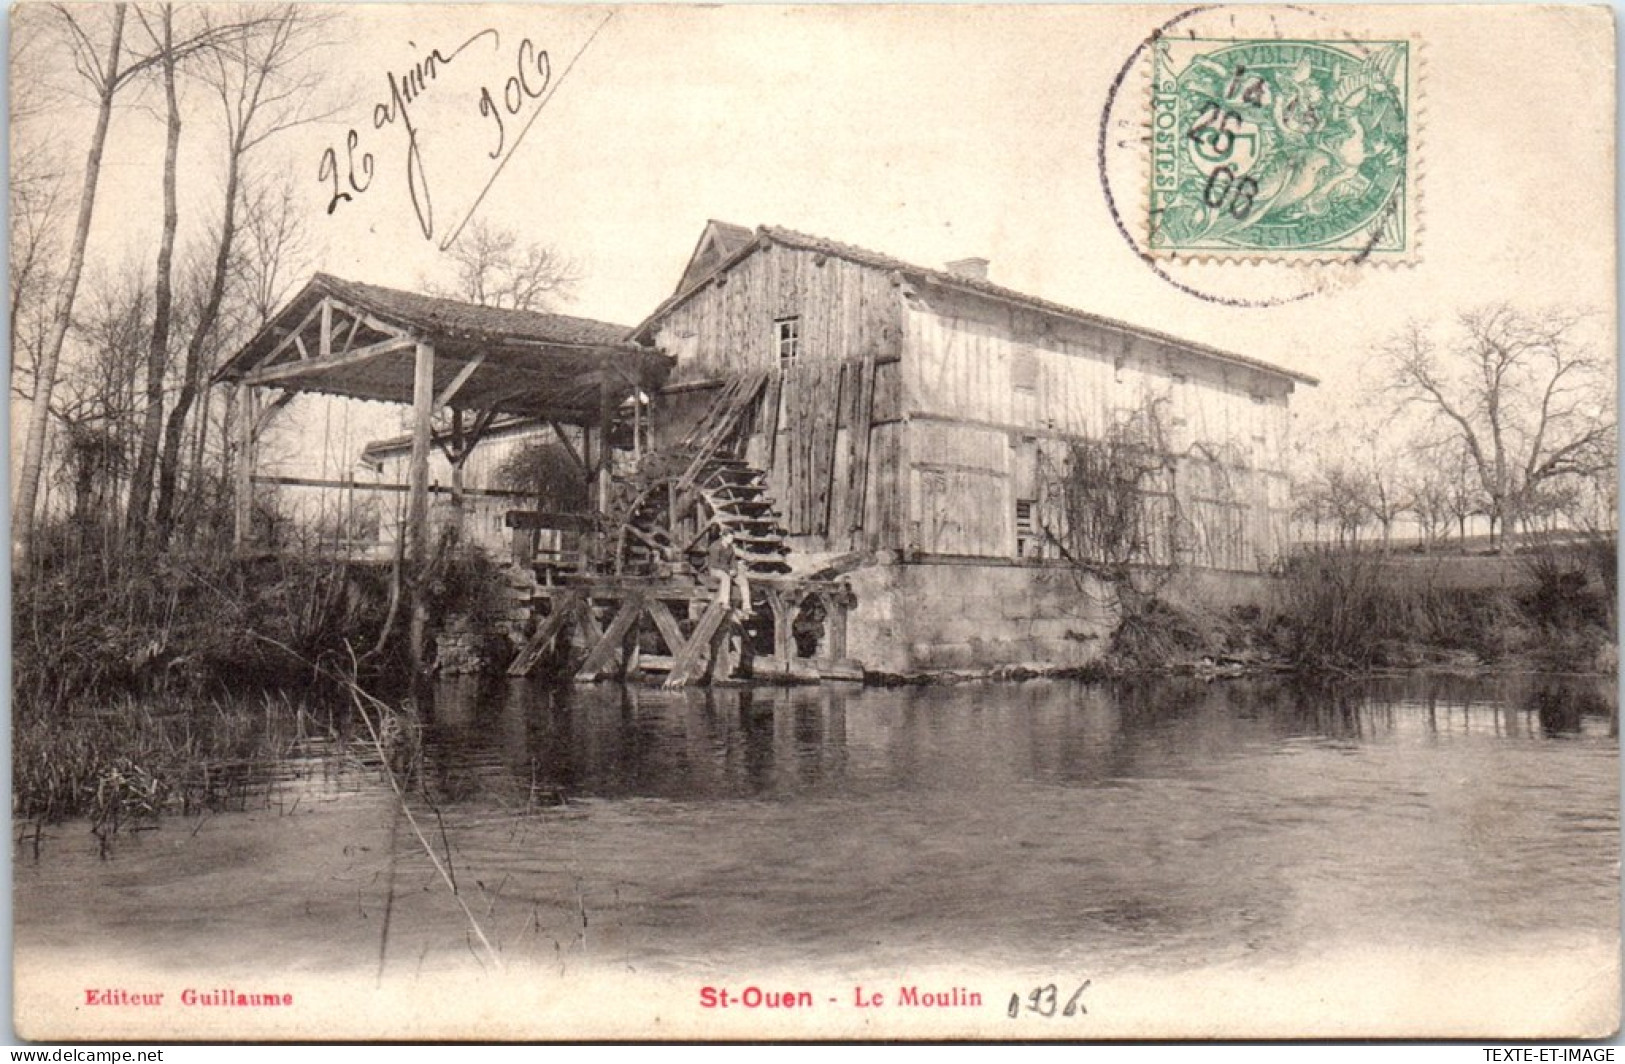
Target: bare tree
x,y
163,40
1332,488
491,267
263,88
1428,488
98,58
1528,401
106,77
1348,500
1382,472
36,219
274,241
95,399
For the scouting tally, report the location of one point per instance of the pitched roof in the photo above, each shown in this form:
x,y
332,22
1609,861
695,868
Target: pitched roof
x,y
438,318
718,242
521,362
774,234
735,236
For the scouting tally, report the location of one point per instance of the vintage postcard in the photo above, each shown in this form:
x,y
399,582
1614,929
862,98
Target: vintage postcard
x,y
1008,522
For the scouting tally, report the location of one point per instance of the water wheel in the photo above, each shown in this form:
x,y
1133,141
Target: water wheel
x,y
685,516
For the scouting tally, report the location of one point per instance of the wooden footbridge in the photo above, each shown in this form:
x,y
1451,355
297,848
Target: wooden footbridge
x,y
681,566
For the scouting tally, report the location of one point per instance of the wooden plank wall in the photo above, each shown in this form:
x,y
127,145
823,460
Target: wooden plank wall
x,y
846,311
976,366
961,479
823,474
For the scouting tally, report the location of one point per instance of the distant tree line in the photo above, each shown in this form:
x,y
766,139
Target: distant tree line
x,y
1503,420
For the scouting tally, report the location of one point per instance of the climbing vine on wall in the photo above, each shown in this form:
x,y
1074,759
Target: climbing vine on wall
x,y
1110,502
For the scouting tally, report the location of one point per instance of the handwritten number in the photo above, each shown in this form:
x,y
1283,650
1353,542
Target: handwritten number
x,y
1249,92
1241,204
488,106
329,169
1235,82
530,57
351,142
1046,1001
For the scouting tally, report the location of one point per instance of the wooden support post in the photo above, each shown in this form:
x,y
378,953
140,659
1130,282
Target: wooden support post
x,y
243,518
564,607
858,429
729,652
637,423
461,448
666,624
605,414
784,608
834,627
695,654
417,514
610,644
589,629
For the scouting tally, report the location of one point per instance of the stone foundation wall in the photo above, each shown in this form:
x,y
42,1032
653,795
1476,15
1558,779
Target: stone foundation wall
x,y
935,615
470,646
1214,589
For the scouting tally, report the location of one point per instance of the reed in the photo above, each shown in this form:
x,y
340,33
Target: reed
x,y
388,728
1347,610
124,760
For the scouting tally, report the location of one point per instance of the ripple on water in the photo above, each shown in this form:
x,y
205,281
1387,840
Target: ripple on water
x,y
1145,826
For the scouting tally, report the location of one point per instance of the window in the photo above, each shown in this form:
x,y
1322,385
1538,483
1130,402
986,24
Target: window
x,y
1026,528
787,335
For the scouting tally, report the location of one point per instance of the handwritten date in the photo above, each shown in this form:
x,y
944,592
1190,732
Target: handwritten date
x,y
349,171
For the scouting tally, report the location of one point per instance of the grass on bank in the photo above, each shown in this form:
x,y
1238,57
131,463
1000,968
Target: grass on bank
x,y
1351,612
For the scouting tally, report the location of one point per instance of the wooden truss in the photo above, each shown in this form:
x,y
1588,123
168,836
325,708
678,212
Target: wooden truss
x,y
625,627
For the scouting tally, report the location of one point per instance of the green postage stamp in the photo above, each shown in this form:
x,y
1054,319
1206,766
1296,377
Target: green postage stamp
x,y
1282,149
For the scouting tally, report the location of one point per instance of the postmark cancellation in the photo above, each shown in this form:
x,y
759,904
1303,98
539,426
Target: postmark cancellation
x,y
1289,150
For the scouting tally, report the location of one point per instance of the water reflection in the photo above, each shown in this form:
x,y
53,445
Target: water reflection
x,y
524,742
1157,824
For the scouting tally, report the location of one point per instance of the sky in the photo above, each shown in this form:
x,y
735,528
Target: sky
x,y
931,134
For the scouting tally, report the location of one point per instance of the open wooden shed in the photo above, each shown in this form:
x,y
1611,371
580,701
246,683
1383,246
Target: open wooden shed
x,y
363,341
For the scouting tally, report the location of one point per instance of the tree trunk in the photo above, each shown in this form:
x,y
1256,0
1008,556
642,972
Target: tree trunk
x,y
40,413
158,350
174,431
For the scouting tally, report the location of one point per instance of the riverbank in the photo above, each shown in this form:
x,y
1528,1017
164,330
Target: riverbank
x,y
128,675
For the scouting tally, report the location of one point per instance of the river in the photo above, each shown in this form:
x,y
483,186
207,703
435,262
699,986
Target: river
x,y
1425,855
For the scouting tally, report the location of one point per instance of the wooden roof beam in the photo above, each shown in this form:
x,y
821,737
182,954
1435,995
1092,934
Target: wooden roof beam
x,y
312,367
450,391
294,337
